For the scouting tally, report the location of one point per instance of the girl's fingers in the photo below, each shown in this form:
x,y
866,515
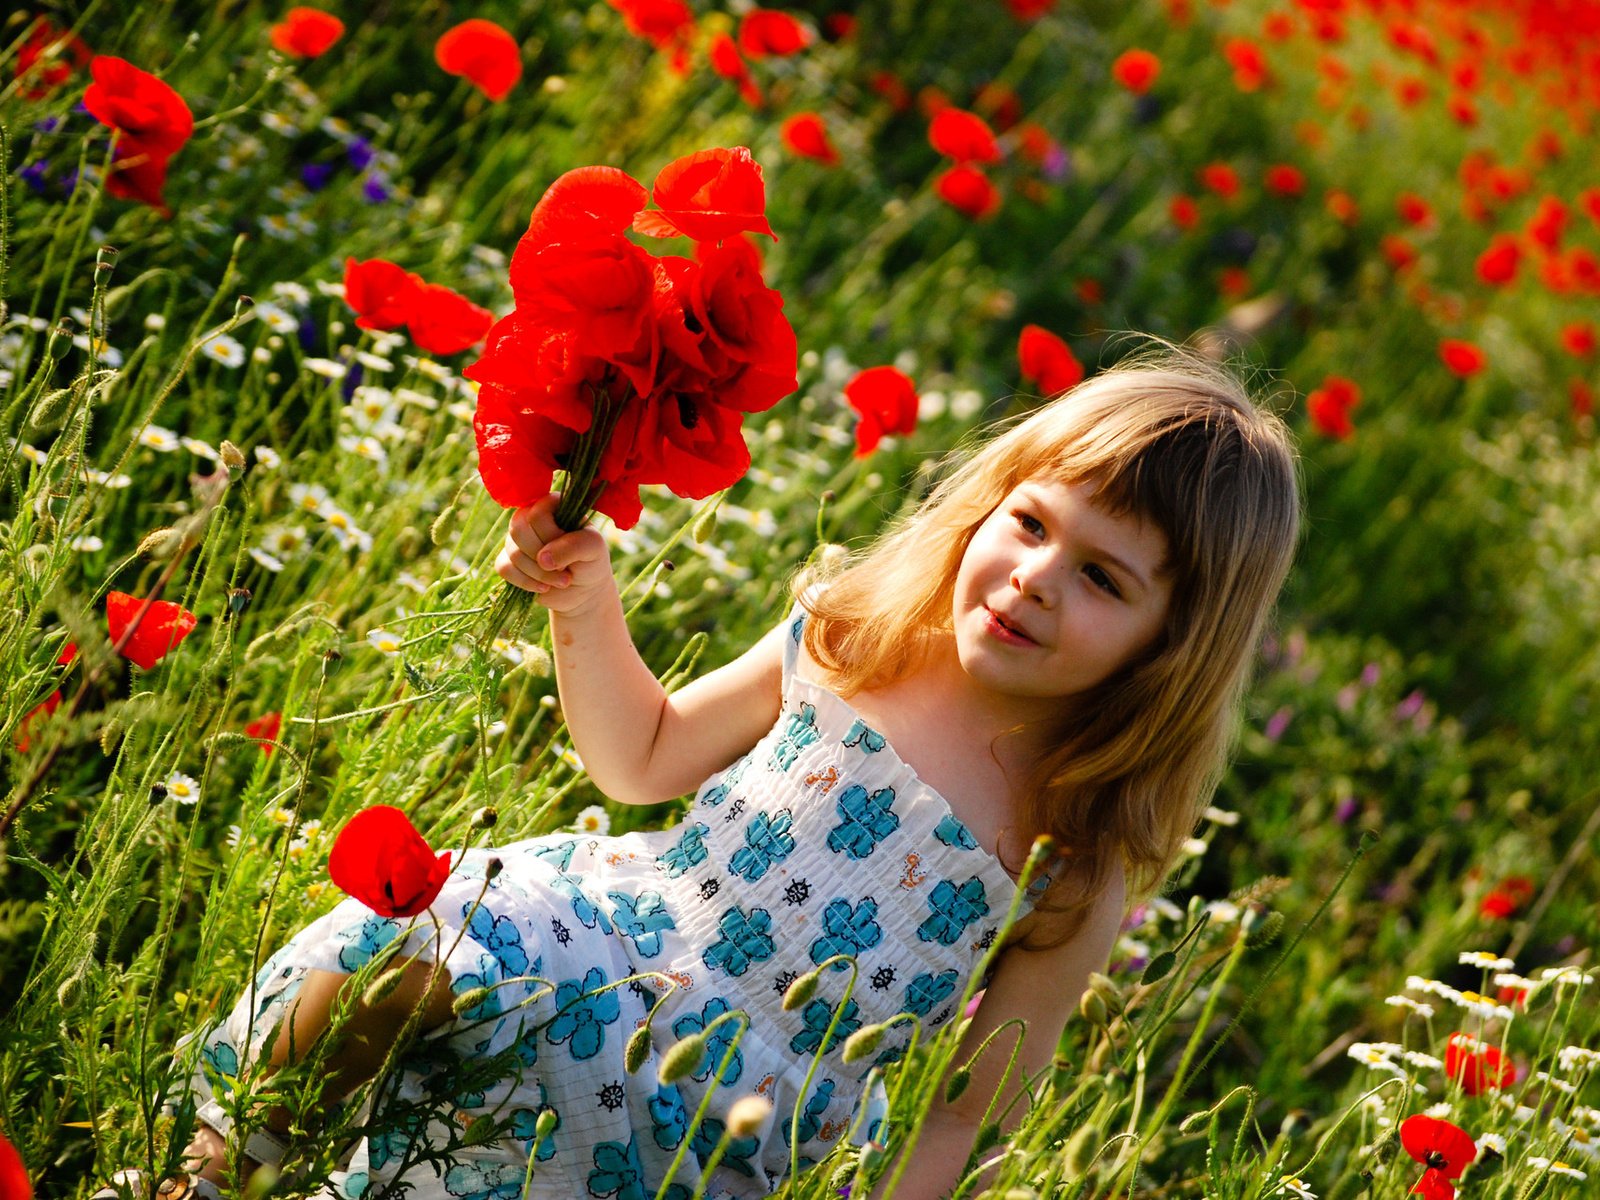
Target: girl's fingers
x,y
510,567
567,549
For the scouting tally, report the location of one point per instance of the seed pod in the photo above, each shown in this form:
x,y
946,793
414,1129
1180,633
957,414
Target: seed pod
x,y
748,1116
332,660
159,543
862,1042
637,1049
492,869
959,1079
704,526
682,1059
1092,1007
548,1120
381,988
485,817
1082,1146
1266,932
1159,967
238,600
801,990
232,457
469,1000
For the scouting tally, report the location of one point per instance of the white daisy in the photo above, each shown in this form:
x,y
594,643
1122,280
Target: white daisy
x,y
1425,1062
1482,1006
369,448
1194,847
1416,1006
328,368
155,322
345,531
107,480
87,543
386,642
437,372
1220,816
279,125
1561,1085
292,293
262,354
267,560
203,449
1572,1057
309,497
373,362
268,457
157,438
1491,1141
1296,1187
33,454
594,820
235,836
185,789
284,540
1565,975
1438,1111
416,399
407,579
223,349
1486,960
461,410
1556,1167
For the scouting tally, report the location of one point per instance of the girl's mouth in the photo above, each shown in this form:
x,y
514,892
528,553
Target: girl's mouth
x,y
1006,633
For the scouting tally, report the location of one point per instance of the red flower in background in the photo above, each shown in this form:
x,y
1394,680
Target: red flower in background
x,y
265,729
1249,64
893,89
483,53
381,860
708,195
1330,406
1548,224
162,627
1444,1149
1463,358
1283,179
1414,210
382,294
1220,178
1029,10
1399,252
42,711
151,124
1035,144
306,32
1000,103
443,321
1477,1066
805,134
14,1182
886,400
1183,210
1497,265
47,58
1506,897
767,31
963,136
968,190
1136,70
1578,339
1589,201
668,25
1581,397
1342,207
1047,360
727,62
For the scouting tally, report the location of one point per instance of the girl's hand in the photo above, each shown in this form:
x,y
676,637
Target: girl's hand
x,y
568,572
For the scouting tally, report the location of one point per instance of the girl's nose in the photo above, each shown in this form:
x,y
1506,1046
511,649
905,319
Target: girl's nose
x,y
1031,577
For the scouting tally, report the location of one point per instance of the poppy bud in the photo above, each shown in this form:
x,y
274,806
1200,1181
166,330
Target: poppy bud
x,y
801,990
1265,932
1159,967
159,543
479,1132
1107,990
748,1116
238,600
1092,1007
60,338
485,817
331,661
988,1137
469,1000
1082,1147
637,1050
959,1079
158,793
1044,846
261,1182
242,306
546,1124
682,1059
492,870
232,457
381,988
704,526
862,1042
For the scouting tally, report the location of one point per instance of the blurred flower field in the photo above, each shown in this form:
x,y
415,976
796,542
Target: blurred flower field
x,y
245,551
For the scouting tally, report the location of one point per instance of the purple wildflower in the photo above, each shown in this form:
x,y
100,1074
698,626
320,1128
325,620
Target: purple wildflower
x,y
1277,723
375,188
360,153
316,175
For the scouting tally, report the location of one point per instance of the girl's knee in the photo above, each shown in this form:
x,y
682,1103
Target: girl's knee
x,y
373,1023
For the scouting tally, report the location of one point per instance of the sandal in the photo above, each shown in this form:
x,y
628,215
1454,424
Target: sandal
x,y
180,1186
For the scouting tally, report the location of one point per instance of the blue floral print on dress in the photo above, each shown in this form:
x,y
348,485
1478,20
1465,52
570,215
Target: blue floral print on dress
x,y
642,918
585,1011
669,1117
222,1058
730,779
618,1172
954,834
723,1038
767,841
486,976
500,937
387,1146
863,735
818,1016
800,732
847,930
954,908
811,1114
585,909
864,821
706,1136
560,855
374,934
689,851
484,1181
354,1185
744,942
525,1128
928,990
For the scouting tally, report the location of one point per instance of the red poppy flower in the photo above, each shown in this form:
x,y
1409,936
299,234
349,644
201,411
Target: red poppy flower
x,y
306,32
1284,179
1438,1145
39,712
1185,213
382,293
1548,223
886,399
968,190
932,100
1462,110
1342,206
1028,11
963,136
443,321
483,53
1035,144
1497,905
1462,357
1478,1067
1136,70
1000,103
1589,201
1413,209
1249,64
1220,178
14,1182
1234,282
742,322
151,121
725,58
668,25
1330,406
1411,91
708,195
154,634
767,31
1578,339
1400,253
1497,265
806,135
265,729
1581,397
47,58
1047,360
840,26
381,860
893,89
1277,27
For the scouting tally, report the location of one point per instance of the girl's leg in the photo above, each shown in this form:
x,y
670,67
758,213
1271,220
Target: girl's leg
x,y
363,1042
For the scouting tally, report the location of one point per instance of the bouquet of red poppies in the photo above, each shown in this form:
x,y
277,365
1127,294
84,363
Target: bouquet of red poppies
x,y
620,367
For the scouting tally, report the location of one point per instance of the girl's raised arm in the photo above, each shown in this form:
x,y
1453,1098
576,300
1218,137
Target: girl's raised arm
x,y
639,744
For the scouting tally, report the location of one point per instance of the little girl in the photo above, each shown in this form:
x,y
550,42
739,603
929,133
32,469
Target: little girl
x,y
1055,642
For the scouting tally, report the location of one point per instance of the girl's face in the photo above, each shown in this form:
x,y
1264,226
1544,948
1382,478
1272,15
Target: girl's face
x,y
1053,595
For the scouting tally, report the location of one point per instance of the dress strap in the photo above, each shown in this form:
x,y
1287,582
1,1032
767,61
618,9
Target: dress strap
x,y
796,622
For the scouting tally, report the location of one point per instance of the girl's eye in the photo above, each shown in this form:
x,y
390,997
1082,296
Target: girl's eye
x,y
1101,580
1029,523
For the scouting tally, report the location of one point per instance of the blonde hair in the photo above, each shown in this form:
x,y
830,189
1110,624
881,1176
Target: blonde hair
x,y
1166,436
